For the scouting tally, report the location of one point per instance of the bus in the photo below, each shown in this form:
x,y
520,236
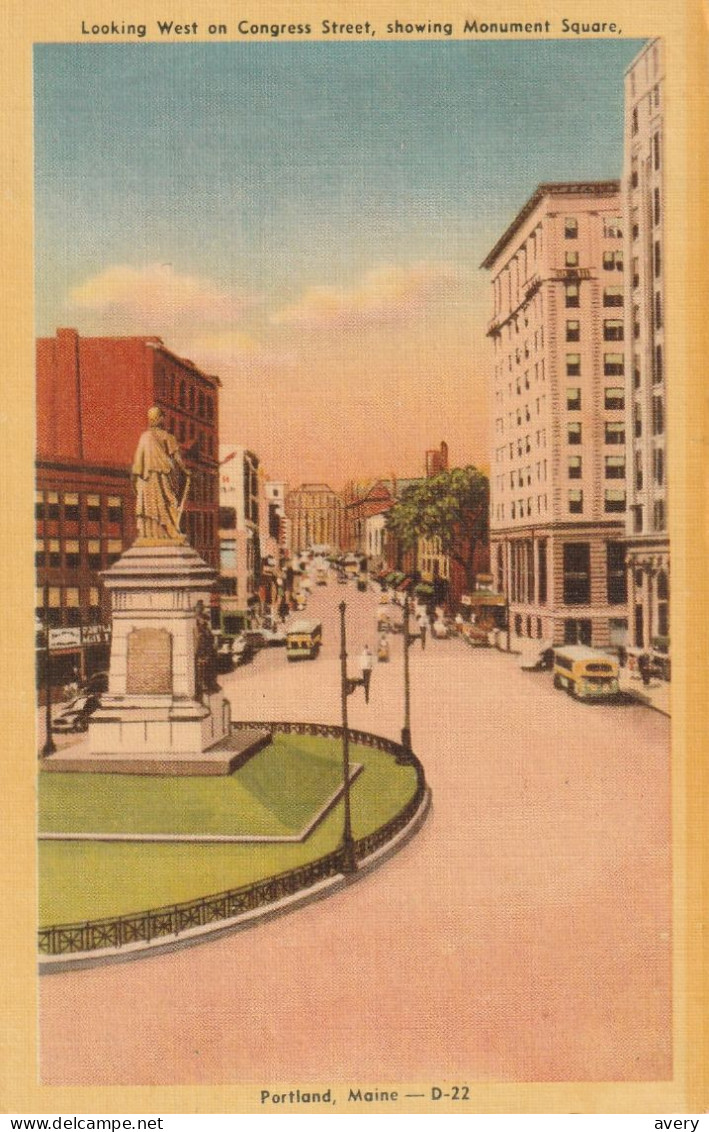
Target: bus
x,y
586,673
303,640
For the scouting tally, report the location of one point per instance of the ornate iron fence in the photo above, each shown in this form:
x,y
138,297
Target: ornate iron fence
x,y
173,919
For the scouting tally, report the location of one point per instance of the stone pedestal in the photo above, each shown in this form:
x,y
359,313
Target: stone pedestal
x,y
154,704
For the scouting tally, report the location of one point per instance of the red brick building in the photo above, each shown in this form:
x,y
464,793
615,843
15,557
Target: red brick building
x,y
93,395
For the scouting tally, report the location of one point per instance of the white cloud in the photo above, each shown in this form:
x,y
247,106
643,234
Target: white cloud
x,y
155,299
386,294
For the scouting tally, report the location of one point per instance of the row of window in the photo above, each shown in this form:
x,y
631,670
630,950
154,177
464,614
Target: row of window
x,y
75,554
612,227
612,296
185,394
576,573
68,606
659,517
77,507
614,500
196,440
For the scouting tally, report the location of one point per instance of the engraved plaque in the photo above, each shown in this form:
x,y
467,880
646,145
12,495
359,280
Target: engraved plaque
x,y
149,662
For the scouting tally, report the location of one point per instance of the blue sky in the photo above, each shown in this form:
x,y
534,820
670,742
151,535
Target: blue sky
x,y
257,175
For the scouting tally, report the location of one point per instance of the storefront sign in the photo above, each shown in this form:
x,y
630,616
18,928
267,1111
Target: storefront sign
x,y
65,638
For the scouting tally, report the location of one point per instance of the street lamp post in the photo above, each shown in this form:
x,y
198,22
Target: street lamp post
x,y
348,685
49,746
409,639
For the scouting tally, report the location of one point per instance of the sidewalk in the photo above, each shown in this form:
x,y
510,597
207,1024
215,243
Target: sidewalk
x,y
656,694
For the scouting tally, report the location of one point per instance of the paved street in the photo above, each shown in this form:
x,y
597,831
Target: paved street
x,y
522,935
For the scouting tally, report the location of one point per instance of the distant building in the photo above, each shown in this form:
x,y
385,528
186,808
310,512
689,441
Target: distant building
x,y
558,467
648,552
437,460
93,395
364,502
239,535
316,514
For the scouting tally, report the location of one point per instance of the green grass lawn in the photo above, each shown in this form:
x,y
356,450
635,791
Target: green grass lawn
x,y
91,880
276,793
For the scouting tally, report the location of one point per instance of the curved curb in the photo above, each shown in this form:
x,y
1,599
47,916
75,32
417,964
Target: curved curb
x,y
192,937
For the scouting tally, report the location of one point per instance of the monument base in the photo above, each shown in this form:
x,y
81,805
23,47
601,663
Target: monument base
x,y
222,759
159,723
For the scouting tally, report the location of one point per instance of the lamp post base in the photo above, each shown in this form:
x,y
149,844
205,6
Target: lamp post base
x,y
349,858
405,757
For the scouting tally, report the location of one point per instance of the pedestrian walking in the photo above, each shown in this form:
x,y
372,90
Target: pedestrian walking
x,y
644,668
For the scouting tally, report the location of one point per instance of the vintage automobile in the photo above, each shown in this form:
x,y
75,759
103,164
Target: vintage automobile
x,y
303,640
75,715
585,673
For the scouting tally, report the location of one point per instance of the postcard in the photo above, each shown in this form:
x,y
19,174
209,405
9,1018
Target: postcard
x,y
355,531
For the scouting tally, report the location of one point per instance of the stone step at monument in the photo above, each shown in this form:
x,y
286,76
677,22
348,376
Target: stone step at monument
x,y
222,759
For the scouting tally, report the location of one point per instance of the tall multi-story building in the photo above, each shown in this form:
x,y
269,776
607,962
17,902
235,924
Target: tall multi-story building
x,y
239,534
93,395
558,467
316,514
648,554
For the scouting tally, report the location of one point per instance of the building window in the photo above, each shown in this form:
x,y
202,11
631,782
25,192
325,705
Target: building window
x,y
575,501
39,555
575,467
93,508
71,554
613,330
94,554
658,465
71,508
658,309
614,500
658,416
636,272
616,583
612,296
571,259
637,373
94,605
613,365
657,212
114,550
574,432
577,573
634,125
615,467
54,560
52,507
571,228
637,420
658,372
73,610
657,259
115,509
659,515
573,365
39,506
573,330
656,151
542,561
615,398
615,432
572,298
638,471
613,227
573,400
613,261
227,554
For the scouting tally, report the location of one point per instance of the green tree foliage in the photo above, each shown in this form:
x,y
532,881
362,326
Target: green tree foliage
x,y
453,507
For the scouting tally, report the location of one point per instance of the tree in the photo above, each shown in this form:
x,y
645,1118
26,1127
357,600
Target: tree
x,y
452,507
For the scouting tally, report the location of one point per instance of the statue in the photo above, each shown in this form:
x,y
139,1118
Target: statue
x,y
157,461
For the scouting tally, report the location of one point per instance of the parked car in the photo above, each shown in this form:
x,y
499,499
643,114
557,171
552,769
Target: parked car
x,y
75,715
255,637
241,650
273,637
